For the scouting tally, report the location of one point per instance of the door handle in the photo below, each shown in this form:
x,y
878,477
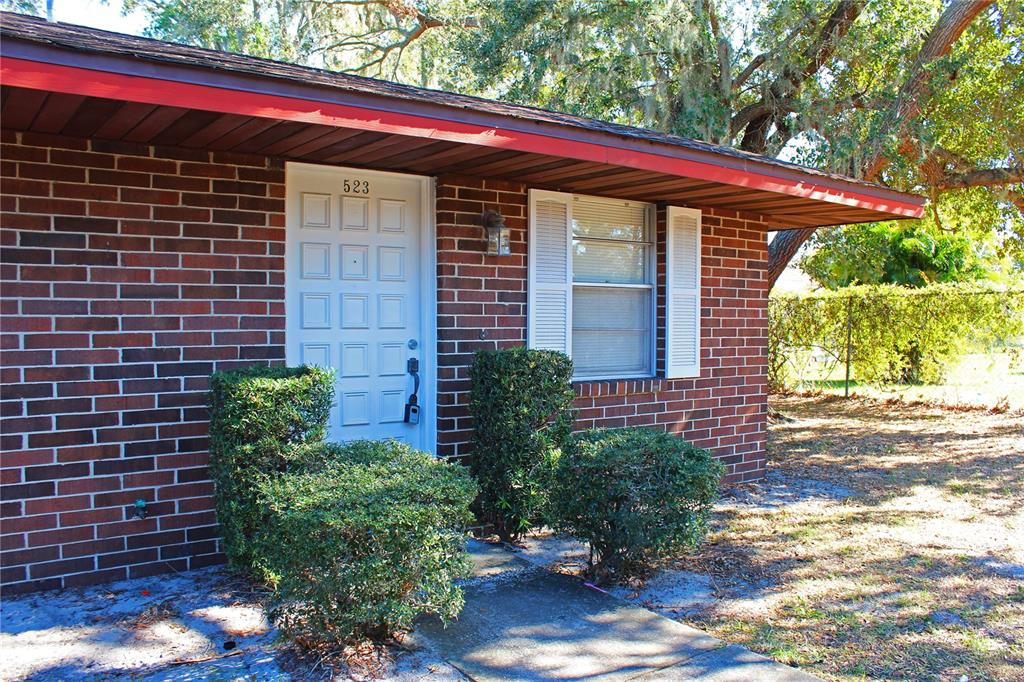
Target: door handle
x,y
412,408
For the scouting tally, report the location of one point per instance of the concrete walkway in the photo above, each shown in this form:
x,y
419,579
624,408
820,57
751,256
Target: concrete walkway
x,y
523,622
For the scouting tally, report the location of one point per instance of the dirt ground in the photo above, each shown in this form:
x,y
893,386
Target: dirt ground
x,y
886,543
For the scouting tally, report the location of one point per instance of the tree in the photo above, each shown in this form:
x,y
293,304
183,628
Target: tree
x,y
953,244
924,95
29,7
869,89
929,107
381,38
901,253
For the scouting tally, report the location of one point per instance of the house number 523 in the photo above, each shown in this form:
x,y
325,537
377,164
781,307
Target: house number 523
x,y
355,186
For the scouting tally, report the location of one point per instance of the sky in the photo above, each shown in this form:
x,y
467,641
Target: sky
x,y
105,15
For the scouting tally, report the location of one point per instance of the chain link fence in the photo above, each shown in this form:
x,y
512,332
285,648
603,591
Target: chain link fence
x,y
888,335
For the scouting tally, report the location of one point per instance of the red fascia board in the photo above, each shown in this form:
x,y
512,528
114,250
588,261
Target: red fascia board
x,y
35,75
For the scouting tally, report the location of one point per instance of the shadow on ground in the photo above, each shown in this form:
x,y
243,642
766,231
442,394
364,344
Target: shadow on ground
x,y
884,543
203,625
884,450
142,629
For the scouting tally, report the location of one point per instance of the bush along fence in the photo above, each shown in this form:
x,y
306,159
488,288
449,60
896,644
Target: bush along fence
x,y
355,540
886,334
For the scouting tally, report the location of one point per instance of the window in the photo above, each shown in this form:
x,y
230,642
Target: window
x,y
612,288
592,285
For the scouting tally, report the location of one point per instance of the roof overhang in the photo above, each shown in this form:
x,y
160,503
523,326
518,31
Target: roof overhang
x,y
53,89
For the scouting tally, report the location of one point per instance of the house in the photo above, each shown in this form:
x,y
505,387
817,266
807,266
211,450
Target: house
x,y
170,211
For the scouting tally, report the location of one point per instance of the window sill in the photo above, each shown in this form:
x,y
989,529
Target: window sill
x,y
620,377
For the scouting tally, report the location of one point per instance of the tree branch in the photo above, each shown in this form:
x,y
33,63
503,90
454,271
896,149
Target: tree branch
x,y
1017,199
835,106
981,177
792,78
808,22
786,106
951,24
742,118
747,72
722,50
948,157
401,12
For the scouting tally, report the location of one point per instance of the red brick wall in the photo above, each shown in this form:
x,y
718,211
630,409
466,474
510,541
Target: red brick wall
x,y
129,274
482,304
481,299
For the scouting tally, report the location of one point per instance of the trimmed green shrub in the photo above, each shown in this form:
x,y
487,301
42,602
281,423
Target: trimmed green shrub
x,y
635,495
257,416
285,405
521,402
356,540
368,539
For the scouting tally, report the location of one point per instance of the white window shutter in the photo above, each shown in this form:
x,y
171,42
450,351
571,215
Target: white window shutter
x,y
550,271
682,276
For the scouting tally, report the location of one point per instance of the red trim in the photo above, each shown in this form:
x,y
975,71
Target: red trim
x,y
74,80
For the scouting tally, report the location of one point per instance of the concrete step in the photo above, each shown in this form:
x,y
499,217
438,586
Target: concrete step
x,y
522,622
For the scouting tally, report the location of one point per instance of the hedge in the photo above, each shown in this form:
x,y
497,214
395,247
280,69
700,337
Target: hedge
x,y
521,402
896,334
257,416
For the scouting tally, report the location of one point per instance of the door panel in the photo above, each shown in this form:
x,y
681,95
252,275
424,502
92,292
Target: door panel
x,y
354,292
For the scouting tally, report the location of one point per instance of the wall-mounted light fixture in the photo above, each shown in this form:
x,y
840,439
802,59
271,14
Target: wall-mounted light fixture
x,y
499,237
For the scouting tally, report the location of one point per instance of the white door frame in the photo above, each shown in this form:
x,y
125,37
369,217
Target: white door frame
x,y
428,293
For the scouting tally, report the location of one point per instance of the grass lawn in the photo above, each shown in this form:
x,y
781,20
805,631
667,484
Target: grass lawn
x,y
983,379
888,543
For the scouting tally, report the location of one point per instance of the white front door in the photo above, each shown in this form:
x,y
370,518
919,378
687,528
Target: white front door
x,y
355,298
